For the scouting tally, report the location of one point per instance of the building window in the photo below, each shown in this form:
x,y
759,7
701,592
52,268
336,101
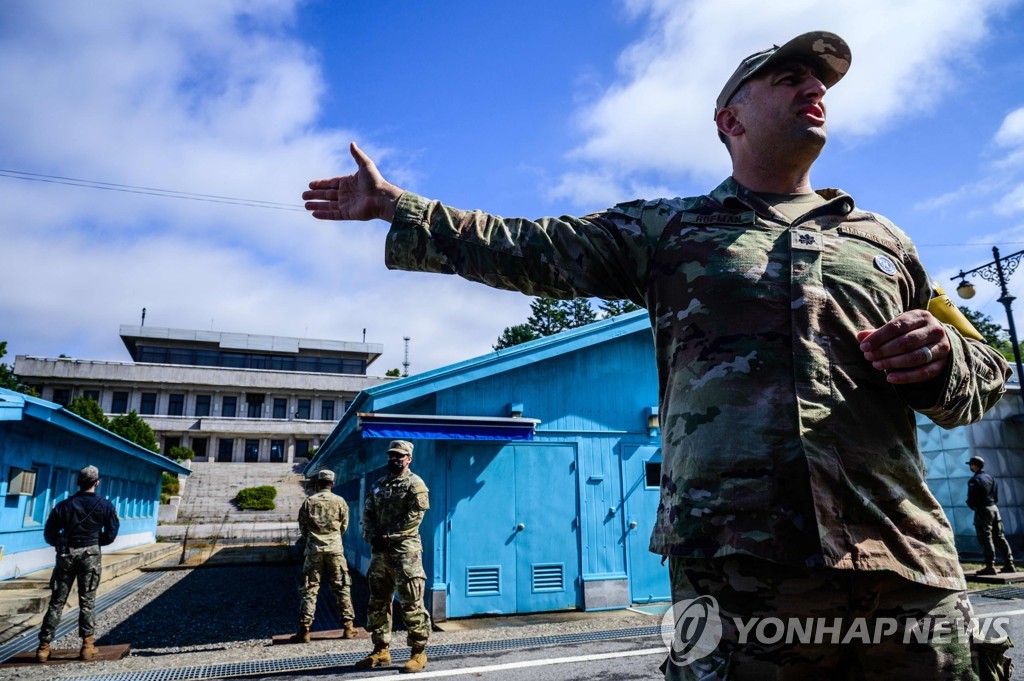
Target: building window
x,y
306,364
94,394
303,410
277,450
652,473
148,405
301,449
179,356
202,405
176,405
35,508
199,445
228,406
232,360
252,450
207,358
62,396
326,410
254,402
170,442
280,408
119,404
225,449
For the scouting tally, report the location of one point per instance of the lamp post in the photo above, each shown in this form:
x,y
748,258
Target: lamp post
x,y
999,270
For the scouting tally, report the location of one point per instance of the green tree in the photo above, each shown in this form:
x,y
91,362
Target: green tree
x,y
131,427
514,335
90,410
393,373
995,335
547,317
9,380
578,312
613,308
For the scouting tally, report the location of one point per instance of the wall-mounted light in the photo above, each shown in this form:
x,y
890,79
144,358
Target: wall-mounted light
x,y
515,410
653,422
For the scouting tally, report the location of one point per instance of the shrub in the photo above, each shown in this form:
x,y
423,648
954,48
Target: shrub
x,y
169,487
180,453
257,498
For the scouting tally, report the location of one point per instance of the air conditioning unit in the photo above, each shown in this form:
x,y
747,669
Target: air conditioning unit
x,y
22,481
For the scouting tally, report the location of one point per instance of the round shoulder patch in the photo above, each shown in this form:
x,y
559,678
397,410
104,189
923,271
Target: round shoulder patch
x,y
884,263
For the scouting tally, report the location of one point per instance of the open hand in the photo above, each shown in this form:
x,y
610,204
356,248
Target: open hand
x,y
364,195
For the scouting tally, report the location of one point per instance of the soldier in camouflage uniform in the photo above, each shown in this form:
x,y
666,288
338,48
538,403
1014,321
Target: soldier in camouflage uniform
x,y
323,519
77,527
391,525
793,345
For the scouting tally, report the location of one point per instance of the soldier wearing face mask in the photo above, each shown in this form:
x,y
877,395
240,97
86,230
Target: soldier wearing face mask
x,y
391,520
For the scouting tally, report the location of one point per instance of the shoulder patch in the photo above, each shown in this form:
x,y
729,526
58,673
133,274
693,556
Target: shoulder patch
x,y
885,242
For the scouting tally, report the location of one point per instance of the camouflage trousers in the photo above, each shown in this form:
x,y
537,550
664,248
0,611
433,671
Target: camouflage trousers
x,y
81,565
334,570
402,573
988,525
782,622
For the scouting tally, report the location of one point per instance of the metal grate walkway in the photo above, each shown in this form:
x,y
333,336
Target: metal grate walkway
x,y
1009,593
29,640
331,660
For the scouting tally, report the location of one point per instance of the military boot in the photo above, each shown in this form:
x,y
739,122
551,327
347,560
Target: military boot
x,y
1008,568
380,657
348,631
43,651
302,636
989,569
88,651
417,659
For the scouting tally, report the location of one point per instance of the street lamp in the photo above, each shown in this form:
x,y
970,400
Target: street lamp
x,y
999,270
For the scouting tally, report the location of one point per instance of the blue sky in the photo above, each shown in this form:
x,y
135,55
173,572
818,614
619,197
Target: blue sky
x,y
528,109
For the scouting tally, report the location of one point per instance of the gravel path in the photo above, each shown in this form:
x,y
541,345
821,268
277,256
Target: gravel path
x,y
229,614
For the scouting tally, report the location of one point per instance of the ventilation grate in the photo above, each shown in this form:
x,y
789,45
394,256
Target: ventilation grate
x,y
549,577
483,580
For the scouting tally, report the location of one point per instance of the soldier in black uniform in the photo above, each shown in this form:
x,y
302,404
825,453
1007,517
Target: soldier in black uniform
x,y
77,528
982,497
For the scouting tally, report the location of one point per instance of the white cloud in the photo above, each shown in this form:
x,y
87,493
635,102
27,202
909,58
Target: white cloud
x,y
205,97
657,115
1011,132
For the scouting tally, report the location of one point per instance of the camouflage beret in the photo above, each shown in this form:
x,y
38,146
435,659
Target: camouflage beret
x,y
400,446
826,52
324,475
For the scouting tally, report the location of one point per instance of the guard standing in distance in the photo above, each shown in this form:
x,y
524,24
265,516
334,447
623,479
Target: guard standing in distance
x,y
982,497
323,519
391,524
77,528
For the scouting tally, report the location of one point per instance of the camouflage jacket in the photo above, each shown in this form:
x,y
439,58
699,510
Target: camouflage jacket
x,y
395,507
323,520
779,439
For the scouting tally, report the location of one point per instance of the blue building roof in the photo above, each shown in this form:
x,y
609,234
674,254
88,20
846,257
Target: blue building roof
x,y
387,395
17,407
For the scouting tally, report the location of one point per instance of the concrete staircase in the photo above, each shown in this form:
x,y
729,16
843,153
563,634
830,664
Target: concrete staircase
x,y
24,599
207,511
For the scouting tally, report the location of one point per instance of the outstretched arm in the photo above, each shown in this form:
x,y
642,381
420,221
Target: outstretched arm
x,y
364,195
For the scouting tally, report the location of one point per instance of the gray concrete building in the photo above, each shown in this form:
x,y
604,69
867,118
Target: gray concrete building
x,y
227,396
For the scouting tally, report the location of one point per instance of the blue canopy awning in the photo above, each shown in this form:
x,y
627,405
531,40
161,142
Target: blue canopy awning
x,y
430,427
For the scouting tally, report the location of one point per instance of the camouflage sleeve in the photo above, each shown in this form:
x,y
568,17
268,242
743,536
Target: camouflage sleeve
x,y
605,255
975,378
369,520
343,512
304,519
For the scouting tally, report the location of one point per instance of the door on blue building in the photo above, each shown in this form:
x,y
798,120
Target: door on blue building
x,y
648,578
513,530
